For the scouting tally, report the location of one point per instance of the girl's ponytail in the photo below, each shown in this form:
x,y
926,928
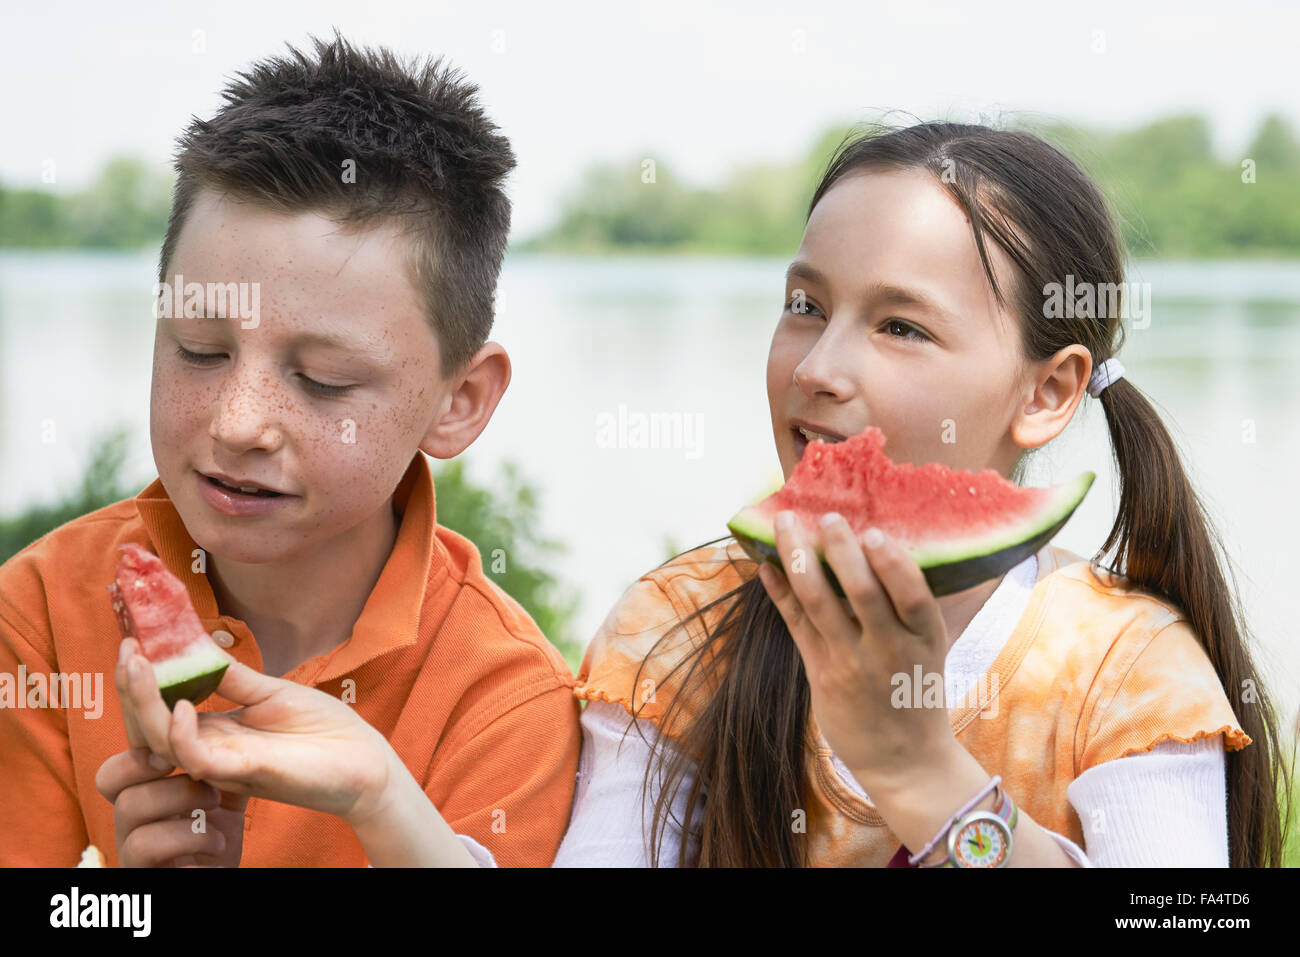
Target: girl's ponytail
x,y
1165,544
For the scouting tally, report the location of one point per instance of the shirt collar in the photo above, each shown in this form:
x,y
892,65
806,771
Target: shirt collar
x,y
391,616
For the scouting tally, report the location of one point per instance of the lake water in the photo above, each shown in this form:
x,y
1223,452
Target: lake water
x,y
600,345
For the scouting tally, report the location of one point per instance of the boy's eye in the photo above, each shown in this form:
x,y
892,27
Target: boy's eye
x,y
320,388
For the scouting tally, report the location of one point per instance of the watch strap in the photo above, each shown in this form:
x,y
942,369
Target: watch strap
x,y
1005,809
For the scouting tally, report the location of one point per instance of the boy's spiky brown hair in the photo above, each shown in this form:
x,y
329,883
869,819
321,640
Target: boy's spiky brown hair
x,y
423,152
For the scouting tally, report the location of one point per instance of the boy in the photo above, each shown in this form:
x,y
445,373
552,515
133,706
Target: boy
x,y
349,210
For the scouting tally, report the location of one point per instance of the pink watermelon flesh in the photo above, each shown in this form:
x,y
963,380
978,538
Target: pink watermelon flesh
x,y
152,606
856,479
943,516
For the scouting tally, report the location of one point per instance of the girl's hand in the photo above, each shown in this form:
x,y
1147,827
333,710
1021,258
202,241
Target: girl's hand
x,y
852,648
289,743
153,815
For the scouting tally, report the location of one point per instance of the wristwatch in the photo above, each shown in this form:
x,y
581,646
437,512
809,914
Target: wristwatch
x,y
982,838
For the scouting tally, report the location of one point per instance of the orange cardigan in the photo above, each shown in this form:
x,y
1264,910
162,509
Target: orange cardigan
x,y
1092,672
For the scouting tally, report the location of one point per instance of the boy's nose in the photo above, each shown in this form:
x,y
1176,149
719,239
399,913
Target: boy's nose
x,y
245,416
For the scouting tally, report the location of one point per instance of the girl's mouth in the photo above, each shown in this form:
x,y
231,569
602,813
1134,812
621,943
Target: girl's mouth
x,y
802,436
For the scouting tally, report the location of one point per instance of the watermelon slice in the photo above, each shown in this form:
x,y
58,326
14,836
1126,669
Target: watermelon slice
x,y
961,527
153,607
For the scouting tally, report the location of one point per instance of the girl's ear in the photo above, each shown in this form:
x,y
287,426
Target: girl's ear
x,y
470,402
1058,386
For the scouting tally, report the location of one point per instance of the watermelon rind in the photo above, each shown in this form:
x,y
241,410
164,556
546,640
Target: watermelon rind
x,y
193,676
949,566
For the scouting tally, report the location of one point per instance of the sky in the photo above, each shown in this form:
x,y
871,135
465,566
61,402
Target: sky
x,y
701,87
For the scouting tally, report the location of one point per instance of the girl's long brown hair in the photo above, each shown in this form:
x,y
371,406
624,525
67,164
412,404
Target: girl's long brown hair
x,y
747,741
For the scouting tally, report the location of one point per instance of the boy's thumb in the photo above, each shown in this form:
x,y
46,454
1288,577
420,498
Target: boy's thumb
x,y
244,686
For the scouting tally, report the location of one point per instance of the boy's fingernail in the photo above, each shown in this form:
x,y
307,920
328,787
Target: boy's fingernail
x,y
121,653
785,520
830,518
159,763
873,538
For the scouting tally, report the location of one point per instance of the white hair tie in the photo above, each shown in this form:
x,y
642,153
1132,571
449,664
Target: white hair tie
x,y
1112,370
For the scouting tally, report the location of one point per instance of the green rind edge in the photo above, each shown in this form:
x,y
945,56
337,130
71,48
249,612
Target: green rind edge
x,y
196,689
193,677
946,570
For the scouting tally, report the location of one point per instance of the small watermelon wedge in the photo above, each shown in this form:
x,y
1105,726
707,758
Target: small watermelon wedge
x,y
961,527
153,607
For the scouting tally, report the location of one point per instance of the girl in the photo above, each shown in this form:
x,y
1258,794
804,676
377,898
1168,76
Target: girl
x,y
1087,708
1105,716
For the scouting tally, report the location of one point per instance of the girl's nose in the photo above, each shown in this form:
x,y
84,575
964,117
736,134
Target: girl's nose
x,y
824,372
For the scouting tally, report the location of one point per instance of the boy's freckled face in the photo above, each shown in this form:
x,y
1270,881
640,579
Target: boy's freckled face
x,y
250,410
856,358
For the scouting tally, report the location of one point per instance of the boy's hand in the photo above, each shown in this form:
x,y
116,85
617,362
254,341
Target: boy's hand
x,y
154,820
288,743
134,736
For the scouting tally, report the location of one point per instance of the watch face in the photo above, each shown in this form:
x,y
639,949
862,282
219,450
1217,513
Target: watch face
x,y
982,843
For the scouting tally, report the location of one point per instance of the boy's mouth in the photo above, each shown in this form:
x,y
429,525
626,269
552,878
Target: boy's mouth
x,y
250,491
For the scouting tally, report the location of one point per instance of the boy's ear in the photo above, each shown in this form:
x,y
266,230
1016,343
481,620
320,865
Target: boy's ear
x,y
469,403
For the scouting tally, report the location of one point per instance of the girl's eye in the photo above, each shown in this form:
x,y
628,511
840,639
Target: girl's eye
x,y
892,324
320,388
801,307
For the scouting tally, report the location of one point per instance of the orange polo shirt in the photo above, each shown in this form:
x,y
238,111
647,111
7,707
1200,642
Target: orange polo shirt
x,y
447,666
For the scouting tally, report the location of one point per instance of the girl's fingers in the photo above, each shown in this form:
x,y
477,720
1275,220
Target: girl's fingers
x,y
812,591
862,590
904,583
810,642
796,622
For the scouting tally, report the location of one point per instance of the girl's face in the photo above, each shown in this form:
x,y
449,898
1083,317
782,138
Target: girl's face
x,y
890,321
